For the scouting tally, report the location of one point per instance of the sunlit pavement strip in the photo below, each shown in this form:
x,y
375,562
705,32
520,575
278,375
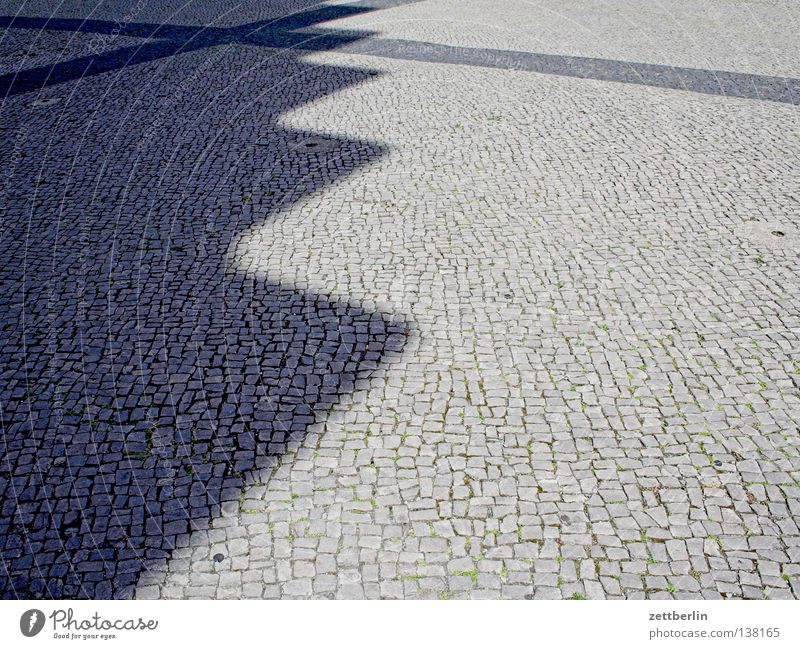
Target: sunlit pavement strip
x,y
367,319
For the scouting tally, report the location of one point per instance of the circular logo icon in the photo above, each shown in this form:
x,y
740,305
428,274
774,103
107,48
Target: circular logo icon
x,y
31,622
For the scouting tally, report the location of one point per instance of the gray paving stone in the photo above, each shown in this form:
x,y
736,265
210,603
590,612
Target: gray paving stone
x,y
459,310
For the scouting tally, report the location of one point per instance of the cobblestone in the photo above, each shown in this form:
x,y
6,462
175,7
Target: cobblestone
x,y
361,301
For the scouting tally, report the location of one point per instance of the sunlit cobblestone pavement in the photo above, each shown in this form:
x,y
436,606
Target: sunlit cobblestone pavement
x,y
440,299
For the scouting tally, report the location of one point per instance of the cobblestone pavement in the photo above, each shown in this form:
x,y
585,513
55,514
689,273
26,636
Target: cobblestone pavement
x,y
430,299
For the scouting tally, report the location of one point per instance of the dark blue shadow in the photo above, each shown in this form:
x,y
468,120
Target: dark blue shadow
x,y
145,377
166,40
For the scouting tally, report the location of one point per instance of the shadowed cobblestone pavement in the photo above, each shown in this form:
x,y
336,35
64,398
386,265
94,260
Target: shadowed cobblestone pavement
x,y
400,299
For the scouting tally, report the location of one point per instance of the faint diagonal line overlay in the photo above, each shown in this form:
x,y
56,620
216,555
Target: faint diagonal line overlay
x,y
281,34
713,82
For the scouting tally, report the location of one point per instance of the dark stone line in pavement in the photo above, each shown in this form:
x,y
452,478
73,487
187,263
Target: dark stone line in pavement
x,y
281,34
712,82
167,40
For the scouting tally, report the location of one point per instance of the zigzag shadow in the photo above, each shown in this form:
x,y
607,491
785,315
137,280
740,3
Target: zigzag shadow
x,y
142,375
